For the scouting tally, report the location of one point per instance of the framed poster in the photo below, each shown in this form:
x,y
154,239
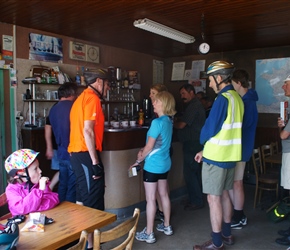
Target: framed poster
x,y
77,51
45,48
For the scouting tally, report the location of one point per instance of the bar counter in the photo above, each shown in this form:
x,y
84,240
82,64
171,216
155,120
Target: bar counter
x,y
120,148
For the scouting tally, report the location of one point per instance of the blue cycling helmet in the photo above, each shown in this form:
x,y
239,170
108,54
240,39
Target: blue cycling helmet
x,y
9,236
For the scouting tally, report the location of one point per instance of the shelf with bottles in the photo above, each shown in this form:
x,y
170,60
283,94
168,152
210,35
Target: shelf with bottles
x,y
122,95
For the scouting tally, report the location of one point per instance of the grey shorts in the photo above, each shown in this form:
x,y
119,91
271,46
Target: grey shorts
x,y
239,170
215,179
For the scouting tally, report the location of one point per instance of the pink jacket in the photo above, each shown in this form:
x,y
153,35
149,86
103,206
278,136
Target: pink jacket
x,y
21,201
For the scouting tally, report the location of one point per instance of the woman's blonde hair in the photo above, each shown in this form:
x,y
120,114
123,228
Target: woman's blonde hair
x,y
159,87
168,102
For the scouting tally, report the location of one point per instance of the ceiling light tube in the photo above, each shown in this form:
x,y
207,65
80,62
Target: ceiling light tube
x,y
163,30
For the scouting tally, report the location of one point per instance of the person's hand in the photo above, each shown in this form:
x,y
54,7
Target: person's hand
x,y
42,182
98,170
49,154
198,157
280,122
135,164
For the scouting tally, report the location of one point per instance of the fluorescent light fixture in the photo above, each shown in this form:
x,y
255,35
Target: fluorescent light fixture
x,y
160,29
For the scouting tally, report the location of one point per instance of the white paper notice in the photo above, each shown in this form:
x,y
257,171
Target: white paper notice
x,y
178,71
196,67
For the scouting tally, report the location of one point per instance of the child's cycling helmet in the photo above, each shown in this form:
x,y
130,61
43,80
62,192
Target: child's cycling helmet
x,y
18,160
9,236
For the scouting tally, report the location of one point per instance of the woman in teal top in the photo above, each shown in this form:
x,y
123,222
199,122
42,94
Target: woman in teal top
x,y
157,165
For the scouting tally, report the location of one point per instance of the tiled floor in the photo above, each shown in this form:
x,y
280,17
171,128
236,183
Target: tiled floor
x,y
193,227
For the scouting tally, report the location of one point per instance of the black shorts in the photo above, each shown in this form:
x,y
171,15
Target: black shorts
x,y
151,177
88,191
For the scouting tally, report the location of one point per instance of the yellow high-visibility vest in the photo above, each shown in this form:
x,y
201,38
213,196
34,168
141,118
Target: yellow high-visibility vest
x,y
226,145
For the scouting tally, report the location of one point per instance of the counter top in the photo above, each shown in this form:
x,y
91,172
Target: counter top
x,y
110,129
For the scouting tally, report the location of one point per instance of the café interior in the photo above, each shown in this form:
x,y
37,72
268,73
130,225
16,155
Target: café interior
x,y
241,32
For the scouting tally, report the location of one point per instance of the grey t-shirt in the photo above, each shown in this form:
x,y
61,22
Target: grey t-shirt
x,y
286,142
194,117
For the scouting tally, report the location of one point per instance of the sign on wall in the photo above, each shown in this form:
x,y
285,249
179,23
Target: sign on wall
x,y
45,48
7,48
77,51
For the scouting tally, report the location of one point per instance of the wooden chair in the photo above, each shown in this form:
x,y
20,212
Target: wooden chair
x,y
266,151
4,210
81,245
275,148
264,182
127,227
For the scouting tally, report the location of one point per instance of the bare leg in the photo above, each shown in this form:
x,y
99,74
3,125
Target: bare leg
x,y
237,195
165,201
226,206
215,211
150,191
159,199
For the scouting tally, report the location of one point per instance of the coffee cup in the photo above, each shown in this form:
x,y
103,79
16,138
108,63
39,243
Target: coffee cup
x,y
124,124
132,123
116,124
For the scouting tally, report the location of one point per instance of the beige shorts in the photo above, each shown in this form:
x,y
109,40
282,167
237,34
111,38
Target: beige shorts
x,y
215,179
285,171
239,171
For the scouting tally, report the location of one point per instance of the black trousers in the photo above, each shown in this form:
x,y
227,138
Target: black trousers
x,y
88,191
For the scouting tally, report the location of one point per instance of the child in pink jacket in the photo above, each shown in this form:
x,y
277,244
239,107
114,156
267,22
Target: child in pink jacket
x,y
28,190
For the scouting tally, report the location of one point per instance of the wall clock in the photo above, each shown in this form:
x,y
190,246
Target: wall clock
x,y
92,54
203,48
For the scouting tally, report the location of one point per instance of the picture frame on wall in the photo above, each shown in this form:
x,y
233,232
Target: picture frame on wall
x,y
45,48
77,51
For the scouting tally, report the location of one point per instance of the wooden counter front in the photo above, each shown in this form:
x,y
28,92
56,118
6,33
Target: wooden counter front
x,y
123,140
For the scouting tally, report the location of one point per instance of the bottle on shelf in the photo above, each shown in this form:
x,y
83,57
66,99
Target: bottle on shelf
x,y
82,77
141,117
126,80
78,77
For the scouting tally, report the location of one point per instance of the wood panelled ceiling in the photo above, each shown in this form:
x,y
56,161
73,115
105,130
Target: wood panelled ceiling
x,y
229,24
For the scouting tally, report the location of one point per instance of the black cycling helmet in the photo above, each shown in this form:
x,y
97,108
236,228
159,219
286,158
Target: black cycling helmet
x,y
220,68
9,236
92,75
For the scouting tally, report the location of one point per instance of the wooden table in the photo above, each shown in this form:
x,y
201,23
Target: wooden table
x,y
69,220
274,159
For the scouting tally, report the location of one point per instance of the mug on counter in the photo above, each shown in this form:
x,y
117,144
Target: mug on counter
x,y
132,123
124,124
116,124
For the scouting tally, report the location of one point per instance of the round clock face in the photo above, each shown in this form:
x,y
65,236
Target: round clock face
x,y
93,54
204,48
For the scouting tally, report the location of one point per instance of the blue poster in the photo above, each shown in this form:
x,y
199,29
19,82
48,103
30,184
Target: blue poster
x,y
45,48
